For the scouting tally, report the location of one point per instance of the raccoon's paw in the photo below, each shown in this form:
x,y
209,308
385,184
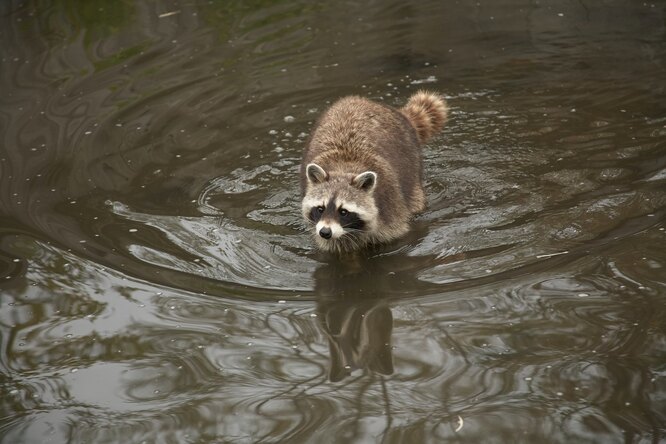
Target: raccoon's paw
x,y
427,112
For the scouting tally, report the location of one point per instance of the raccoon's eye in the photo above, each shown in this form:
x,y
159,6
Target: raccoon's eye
x,y
343,212
320,209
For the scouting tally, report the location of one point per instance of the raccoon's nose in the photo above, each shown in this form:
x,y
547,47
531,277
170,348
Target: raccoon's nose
x,y
325,232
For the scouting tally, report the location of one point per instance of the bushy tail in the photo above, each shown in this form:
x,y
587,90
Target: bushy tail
x,y
427,113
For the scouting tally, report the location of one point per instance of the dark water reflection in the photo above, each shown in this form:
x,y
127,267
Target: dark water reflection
x,y
156,282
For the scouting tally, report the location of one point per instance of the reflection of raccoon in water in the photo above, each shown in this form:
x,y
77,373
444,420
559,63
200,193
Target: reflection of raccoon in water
x,y
361,171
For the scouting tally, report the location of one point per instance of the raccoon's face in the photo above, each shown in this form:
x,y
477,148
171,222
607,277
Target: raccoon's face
x,y
341,207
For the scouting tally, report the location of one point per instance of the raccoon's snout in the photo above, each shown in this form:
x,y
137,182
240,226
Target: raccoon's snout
x,y
326,233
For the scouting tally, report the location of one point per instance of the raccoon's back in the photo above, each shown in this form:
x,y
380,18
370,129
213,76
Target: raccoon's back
x,y
359,131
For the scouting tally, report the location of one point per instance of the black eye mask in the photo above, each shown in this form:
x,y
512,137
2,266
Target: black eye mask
x,y
350,220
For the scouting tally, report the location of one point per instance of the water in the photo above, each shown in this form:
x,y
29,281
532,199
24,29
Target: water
x,y
158,285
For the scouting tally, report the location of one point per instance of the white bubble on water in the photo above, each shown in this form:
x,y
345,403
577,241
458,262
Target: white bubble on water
x,y
429,79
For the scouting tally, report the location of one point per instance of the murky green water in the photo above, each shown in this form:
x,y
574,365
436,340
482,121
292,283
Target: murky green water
x,y
158,285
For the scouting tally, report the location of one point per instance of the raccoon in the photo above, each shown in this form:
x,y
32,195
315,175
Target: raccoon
x,y
361,172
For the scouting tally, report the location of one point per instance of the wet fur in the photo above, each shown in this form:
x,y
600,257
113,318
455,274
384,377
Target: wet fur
x,y
356,135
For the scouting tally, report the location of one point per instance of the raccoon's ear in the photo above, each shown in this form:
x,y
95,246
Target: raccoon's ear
x,y
315,173
365,181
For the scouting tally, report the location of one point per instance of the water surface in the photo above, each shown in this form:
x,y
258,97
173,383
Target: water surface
x,y
158,285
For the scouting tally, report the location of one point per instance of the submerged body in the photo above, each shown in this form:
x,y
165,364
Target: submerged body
x,y
361,173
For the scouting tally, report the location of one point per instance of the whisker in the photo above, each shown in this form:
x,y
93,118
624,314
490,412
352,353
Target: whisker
x,y
353,241
352,230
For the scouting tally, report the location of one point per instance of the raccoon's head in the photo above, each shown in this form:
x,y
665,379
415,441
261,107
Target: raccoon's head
x,y
340,206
